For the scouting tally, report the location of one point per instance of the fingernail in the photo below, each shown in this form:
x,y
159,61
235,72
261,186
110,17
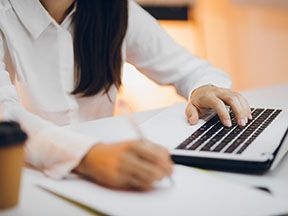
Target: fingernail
x,y
227,123
242,122
250,116
192,121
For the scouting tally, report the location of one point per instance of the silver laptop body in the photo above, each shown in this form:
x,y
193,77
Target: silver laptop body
x,y
208,144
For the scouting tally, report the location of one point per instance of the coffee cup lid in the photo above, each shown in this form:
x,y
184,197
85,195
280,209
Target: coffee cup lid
x,y
11,134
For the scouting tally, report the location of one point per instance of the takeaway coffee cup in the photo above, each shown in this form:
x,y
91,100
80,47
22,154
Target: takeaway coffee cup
x,y
12,140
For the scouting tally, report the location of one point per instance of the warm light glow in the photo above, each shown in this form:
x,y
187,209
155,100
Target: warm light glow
x,y
249,42
143,94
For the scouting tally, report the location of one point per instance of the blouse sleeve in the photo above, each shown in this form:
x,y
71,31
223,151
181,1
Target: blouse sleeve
x,y
150,49
50,148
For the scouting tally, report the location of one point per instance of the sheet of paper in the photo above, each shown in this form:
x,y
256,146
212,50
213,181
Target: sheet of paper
x,y
195,192
108,130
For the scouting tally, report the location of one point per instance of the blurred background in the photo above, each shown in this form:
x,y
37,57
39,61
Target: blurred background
x,y
246,38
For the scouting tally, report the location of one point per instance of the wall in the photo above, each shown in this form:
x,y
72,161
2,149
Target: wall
x,y
248,41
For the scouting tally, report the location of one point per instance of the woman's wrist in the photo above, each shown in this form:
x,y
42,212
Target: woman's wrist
x,y
83,166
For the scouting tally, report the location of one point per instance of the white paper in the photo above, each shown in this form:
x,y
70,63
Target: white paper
x,y
108,130
195,192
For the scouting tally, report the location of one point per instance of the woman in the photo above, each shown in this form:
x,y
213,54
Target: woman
x,y
61,63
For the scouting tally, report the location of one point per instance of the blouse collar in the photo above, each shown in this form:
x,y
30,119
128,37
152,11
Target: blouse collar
x,y
34,16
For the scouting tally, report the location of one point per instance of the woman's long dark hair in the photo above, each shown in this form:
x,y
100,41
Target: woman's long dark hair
x,y
100,27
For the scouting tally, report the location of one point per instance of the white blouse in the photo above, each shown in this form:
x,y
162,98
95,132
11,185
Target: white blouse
x,y
37,70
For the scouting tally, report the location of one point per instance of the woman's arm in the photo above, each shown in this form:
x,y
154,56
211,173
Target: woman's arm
x,y
56,151
155,54
50,148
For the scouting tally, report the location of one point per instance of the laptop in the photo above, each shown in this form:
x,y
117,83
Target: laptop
x,y
250,149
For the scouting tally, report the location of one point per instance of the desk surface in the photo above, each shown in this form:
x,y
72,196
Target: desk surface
x,y
35,201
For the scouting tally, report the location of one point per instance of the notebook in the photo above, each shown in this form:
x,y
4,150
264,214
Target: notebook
x,y
195,192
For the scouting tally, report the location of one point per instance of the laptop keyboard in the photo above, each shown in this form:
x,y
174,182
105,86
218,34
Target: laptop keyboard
x,y
214,137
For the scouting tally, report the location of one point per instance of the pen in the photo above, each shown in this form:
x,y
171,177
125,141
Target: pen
x,y
127,110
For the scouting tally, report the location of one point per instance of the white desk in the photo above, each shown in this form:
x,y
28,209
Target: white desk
x,y
35,201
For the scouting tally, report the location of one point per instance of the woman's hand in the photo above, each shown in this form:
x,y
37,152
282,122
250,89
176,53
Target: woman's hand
x,y
211,97
126,165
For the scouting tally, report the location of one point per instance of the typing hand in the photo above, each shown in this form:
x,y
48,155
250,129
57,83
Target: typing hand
x,y
126,165
212,97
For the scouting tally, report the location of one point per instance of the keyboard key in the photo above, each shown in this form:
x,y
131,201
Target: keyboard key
x,y
215,139
259,131
199,132
207,135
236,132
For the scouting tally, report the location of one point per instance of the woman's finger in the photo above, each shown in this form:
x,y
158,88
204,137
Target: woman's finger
x,y
219,107
167,157
155,155
192,113
239,111
144,171
128,181
135,183
245,105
